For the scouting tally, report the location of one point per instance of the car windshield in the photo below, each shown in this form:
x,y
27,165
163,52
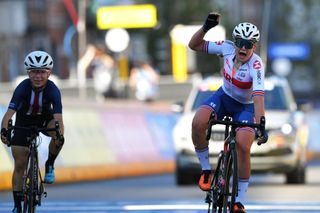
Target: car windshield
x,y
200,98
274,99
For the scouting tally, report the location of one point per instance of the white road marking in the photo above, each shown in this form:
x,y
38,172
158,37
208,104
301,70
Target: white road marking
x,y
96,207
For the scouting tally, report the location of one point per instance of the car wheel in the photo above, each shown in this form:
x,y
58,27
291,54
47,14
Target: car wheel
x,y
296,176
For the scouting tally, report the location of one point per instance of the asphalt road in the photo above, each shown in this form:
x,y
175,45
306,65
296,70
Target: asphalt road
x,y
267,193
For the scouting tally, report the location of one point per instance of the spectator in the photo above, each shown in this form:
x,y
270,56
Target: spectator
x,y
96,63
144,80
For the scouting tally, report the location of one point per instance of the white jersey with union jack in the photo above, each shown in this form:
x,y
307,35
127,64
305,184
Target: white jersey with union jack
x,y
241,84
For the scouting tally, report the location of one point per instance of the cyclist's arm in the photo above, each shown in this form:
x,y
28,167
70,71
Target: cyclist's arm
x,y
4,124
257,73
58,117
7,116
197,42
258,107
57,105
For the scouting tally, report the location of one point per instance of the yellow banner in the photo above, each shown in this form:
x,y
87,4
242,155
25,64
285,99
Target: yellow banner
x,y
131,16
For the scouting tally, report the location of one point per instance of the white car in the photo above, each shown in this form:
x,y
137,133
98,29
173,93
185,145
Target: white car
x,y
283,153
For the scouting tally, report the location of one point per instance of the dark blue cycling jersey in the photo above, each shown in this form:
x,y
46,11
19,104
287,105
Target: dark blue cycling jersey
x,y
34,108
27,101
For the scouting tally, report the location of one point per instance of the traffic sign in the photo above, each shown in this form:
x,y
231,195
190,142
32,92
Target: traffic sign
x,y
293,51
129,16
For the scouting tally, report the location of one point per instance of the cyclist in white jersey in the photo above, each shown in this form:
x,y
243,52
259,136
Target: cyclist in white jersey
x,y
241,96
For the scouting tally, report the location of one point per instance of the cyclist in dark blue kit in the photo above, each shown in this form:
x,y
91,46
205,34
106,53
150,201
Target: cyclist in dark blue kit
x,y
35,101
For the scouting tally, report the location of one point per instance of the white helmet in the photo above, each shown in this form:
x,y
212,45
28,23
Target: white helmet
x,y
38,60
246,31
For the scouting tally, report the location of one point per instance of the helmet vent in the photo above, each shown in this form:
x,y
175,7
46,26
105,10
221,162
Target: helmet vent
x,y
45,59
30,59
38,58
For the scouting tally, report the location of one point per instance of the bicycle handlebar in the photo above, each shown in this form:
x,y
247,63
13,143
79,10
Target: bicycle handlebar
x,y
34,130
212,121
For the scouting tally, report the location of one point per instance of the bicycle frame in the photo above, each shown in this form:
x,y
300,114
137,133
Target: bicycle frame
x,y
33,188
225,179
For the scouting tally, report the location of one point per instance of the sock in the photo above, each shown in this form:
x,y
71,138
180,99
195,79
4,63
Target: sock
x,y
203,156
242,190
17,197
51,159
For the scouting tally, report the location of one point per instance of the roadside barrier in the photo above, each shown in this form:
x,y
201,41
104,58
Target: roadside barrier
x,y
107,140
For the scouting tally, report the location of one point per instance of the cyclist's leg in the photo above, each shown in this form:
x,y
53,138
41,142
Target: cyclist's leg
x,y
20,152
55,147
20,156
245,137
199,127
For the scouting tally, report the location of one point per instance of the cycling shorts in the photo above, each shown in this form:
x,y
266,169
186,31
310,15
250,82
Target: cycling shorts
x,y
20,136
224,105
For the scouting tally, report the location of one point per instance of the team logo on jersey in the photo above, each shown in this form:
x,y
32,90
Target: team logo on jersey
x,y
259,77
241,74
219,42
228,63
212,104
257,65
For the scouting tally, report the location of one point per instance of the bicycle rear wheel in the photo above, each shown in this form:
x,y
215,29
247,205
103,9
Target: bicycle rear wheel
x,y
231,181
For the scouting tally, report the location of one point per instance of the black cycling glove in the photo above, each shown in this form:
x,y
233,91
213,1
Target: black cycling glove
x,y
211,21
4,132
261,138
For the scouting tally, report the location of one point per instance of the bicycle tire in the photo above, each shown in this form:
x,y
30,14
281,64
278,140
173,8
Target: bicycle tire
x,y
216,204
231,181
29,194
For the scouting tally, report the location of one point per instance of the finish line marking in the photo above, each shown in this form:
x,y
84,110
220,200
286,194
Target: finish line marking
x,y
122,206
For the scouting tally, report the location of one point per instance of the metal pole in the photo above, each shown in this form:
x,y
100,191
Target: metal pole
x,y
265,31
81,27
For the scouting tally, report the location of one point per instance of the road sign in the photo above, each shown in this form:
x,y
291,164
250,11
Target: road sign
x,y
130,16
294,51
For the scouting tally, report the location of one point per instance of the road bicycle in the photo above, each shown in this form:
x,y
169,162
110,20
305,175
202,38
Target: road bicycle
x,y
33,188
224,183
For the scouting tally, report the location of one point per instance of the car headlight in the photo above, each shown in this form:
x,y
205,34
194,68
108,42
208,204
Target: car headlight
x,y
286,129
281,138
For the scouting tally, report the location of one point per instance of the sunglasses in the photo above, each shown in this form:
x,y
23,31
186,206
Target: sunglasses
x,y
36,71
243,43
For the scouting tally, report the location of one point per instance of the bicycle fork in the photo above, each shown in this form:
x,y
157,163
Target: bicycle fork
x,y
214,195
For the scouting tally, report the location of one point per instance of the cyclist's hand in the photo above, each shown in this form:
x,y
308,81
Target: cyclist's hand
x,y
59,141
211,21
4,133
62,139
261,138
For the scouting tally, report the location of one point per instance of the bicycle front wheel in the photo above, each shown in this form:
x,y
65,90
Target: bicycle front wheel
x,y
231,181
29,185
216,190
